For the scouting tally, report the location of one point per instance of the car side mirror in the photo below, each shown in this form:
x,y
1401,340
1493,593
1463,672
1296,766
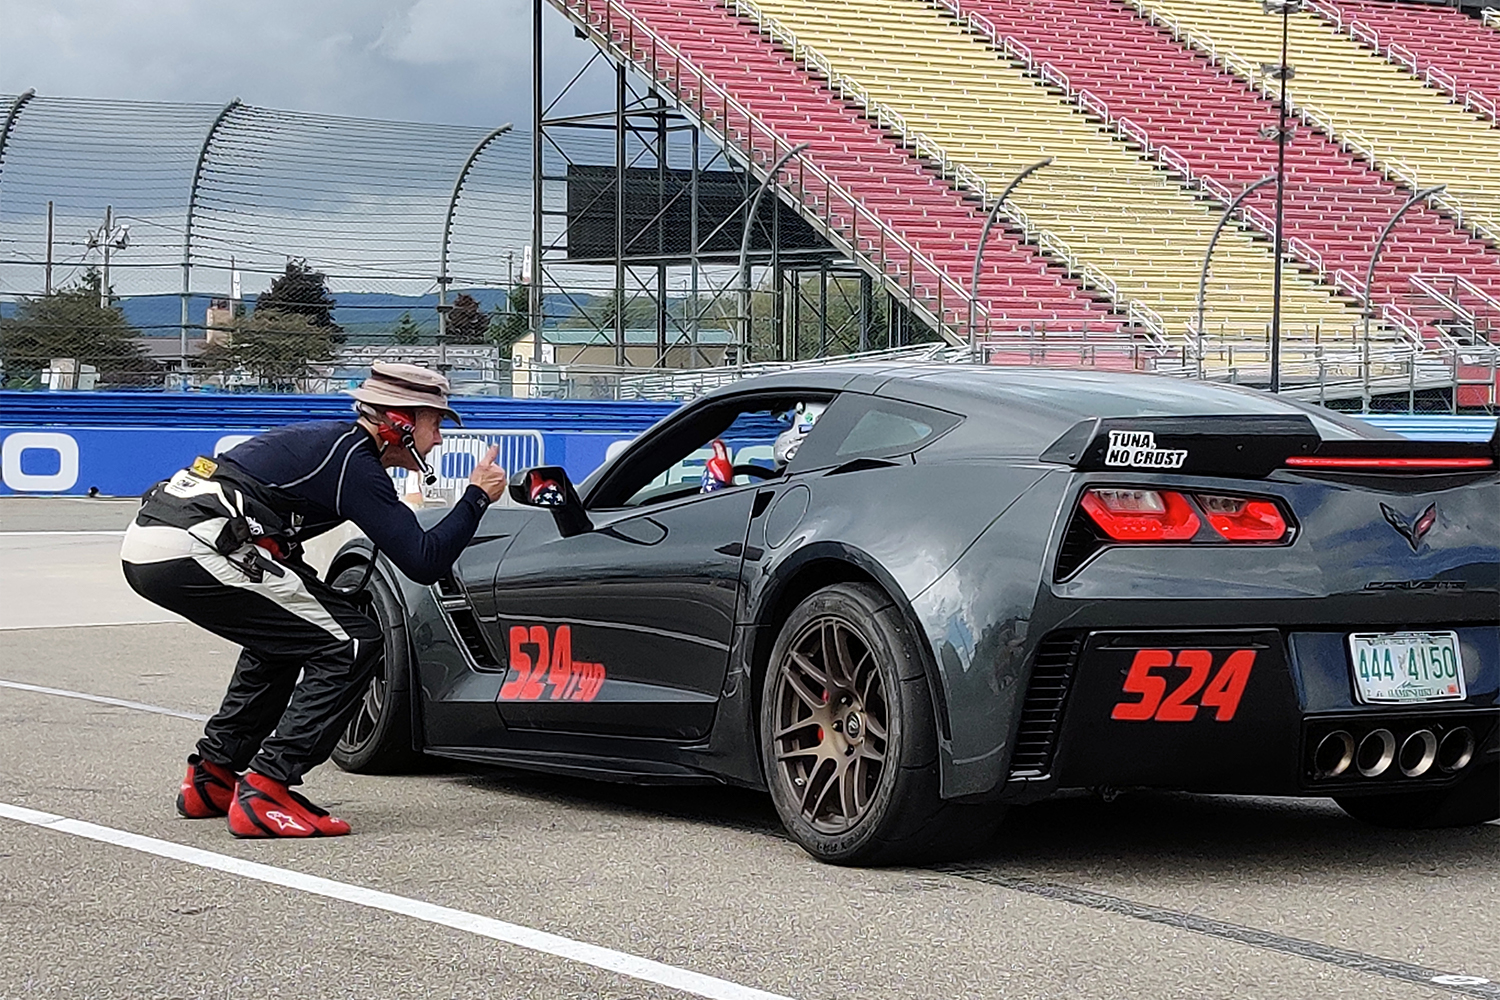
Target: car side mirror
x,y
548,487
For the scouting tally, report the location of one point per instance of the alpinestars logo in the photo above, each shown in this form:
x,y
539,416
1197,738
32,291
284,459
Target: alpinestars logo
x,y
1414,530
283,821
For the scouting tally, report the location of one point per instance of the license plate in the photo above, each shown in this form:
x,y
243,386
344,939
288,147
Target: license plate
x,y
1406,668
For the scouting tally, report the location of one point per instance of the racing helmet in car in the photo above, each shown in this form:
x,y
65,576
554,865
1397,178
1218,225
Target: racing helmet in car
x,y
788,441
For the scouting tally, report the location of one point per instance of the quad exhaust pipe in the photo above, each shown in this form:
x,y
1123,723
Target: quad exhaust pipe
x,y
1334,754
1376,753
1418,753
1379,751
1456,749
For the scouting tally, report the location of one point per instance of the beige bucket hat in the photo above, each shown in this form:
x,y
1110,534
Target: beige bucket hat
x,y
392,385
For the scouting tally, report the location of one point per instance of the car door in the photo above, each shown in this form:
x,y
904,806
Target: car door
x,y
625,630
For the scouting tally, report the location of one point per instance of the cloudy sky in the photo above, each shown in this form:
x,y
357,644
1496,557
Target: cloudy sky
x,y
451,61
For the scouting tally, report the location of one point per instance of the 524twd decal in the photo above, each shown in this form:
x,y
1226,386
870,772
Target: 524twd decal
x,y
810,583
535,674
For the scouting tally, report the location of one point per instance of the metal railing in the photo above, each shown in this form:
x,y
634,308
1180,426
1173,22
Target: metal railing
x,y
1403,56
454,458
1442,379
687,383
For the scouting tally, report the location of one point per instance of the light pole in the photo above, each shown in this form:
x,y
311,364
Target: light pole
x,y
107,237
1208,254
1385,234
443,308
984,237
744,316
1283,73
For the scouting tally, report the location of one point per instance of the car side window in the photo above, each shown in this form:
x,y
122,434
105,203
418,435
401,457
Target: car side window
x,y
748,443
863,426
882,430
690,457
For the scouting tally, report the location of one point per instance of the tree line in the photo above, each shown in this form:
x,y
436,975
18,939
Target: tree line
x,y
290,327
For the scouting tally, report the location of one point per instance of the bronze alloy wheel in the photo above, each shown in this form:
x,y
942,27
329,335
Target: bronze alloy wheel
x,y
831,718
366,722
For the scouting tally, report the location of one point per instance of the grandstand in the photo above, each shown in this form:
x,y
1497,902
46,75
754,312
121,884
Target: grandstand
x,y
1412,131
1119,130
1436,43
1099,200
1154,114
1019,288
1206,126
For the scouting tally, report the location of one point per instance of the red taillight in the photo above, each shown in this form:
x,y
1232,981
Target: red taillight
x,y
1360,462
1240,519
1141,515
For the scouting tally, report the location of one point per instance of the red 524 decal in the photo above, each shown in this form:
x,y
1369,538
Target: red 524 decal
x,y
1222,693
543,665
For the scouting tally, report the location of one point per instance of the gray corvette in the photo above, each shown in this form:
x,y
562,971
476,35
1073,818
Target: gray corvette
x,y
968,587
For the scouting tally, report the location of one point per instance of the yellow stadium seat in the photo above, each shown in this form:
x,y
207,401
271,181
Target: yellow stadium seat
x,y
1135,224
1392,117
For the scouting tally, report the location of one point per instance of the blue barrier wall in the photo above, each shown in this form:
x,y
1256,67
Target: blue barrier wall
x,y
119,443
192,409
1434,426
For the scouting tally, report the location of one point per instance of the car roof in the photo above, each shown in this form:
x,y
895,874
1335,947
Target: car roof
x,y
828,378
1052,394
997,384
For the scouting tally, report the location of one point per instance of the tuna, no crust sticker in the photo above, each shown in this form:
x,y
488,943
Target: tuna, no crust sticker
x,y
1138,450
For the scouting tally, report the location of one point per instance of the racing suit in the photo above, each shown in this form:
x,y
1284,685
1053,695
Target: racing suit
x,y
219,544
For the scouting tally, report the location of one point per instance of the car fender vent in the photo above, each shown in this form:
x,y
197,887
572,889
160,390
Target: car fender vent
x,y
467,627
1082,539
1041,713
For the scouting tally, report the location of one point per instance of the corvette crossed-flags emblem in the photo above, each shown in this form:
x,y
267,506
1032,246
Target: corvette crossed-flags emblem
x,y
1414,530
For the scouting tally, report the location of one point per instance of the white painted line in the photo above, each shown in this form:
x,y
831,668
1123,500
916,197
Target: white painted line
x,y
607,959
43,534
139,706
133,621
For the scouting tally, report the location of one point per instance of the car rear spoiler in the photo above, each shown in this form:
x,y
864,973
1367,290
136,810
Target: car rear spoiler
x,y
1252,447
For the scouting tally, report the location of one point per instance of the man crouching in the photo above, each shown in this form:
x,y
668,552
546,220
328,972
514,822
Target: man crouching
x,y
219,543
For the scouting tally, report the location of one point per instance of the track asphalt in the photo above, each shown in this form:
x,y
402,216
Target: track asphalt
x,y
476,883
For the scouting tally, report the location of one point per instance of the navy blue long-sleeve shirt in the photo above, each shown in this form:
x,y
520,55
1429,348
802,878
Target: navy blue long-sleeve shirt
x,y
329,471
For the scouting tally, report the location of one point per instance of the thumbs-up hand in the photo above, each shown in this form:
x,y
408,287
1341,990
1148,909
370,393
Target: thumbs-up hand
x,y
488,476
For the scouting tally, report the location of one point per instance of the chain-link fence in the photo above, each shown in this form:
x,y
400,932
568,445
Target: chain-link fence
x,y
242,248
136,240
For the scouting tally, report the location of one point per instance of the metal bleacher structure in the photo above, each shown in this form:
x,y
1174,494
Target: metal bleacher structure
x,y
916,115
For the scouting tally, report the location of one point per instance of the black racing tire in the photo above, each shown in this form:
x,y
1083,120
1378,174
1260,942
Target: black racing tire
x,y
378,737
873,718
1474,800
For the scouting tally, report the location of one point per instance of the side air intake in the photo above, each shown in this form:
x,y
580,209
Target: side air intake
x,y
1041,713
456,606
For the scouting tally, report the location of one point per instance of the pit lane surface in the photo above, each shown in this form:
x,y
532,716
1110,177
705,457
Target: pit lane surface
x,y
1150,895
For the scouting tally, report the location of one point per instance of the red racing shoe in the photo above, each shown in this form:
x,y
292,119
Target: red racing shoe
x,y
207,789
264,807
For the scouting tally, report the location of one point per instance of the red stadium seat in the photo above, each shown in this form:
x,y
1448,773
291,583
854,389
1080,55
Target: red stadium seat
x,y
932,216
1336,204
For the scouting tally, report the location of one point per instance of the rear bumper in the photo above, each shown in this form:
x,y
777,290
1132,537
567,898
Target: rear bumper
x,y
1249,711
